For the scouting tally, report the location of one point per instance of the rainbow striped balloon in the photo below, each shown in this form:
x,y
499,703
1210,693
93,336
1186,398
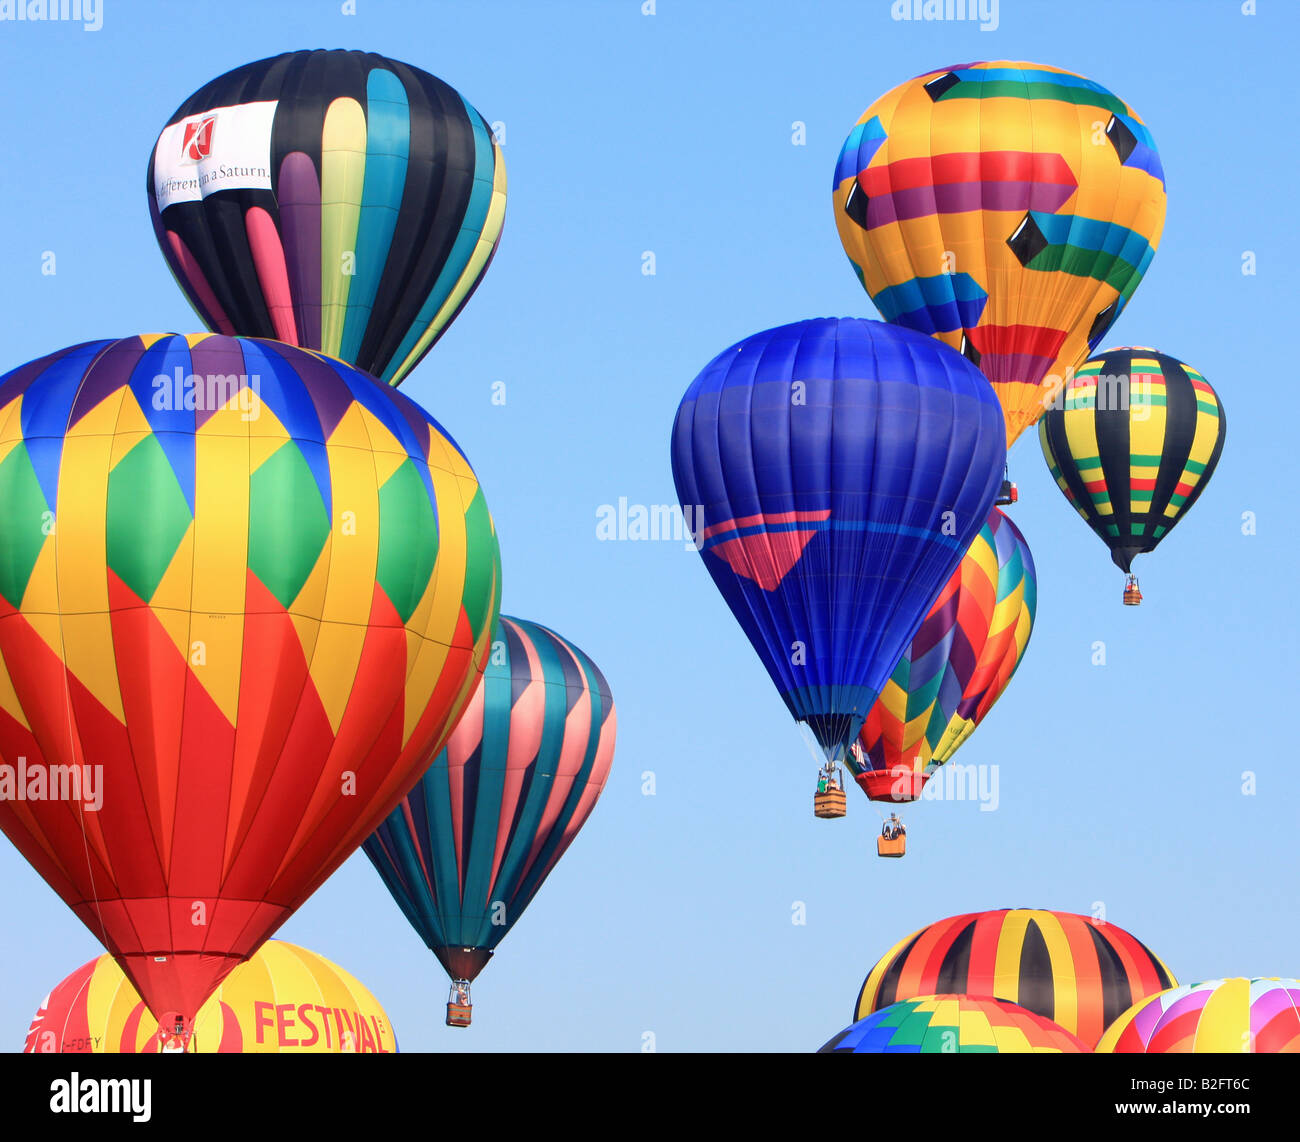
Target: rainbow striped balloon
x,y
956,667
335,200
1259,1016
954,1024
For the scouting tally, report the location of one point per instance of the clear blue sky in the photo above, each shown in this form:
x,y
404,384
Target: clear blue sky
x,y
671,133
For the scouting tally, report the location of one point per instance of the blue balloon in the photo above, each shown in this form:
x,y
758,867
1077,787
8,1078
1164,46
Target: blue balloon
x,y
834,472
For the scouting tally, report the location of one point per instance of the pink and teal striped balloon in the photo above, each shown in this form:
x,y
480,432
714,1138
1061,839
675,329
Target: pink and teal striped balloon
x,y
466,851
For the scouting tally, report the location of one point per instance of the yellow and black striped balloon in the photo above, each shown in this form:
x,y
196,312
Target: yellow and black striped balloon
x,y
1132,441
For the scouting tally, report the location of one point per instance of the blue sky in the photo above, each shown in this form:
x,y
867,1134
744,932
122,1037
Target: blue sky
x,y
1120,786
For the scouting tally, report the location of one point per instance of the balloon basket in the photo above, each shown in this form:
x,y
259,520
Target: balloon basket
x,y
830,804
1007,494
891,846
458,1014
1132,594
459,1008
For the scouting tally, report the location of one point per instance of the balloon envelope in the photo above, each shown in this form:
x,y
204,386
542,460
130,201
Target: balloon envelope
x,y
1261,1016
467,850
956,667
284,1000
946,1024
836,471
245,591
1008,209
1132,444
1078,972
336,200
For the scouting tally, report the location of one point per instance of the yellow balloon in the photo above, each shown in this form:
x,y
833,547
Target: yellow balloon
x,y
285,999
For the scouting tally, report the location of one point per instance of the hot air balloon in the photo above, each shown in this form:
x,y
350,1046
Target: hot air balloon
x,y
952,672
1078,972
467,850
835,472
1132,442
334,200
960,1024
1008,209
1219,1016
284,1000
245,592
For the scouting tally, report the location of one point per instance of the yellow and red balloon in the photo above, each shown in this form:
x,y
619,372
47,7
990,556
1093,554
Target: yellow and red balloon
x,y
245,593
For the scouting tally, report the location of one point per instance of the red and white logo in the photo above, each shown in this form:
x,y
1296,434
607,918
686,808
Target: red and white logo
x,y
197,143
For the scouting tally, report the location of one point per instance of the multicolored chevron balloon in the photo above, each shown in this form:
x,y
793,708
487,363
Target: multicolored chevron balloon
x,y
954,1024
245,593
1008,209
336,200
467,850
1260,1016
1076,971
954,670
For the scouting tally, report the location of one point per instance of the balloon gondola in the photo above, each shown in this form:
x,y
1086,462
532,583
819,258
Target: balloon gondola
x,y
892,841
830,801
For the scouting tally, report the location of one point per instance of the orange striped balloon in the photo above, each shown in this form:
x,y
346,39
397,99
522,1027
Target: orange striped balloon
x,y
285,999
1078,972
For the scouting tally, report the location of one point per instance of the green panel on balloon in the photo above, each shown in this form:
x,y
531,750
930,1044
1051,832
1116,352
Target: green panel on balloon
x,y
148,517
22,523
478,528
408,539
287,524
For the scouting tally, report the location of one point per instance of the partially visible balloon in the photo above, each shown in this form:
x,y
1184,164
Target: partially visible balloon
x,y
836,471
336,200
1132,444
961,1024
1220,1016
1079,972
1008,209
467,850
245,593
284,1000
956,667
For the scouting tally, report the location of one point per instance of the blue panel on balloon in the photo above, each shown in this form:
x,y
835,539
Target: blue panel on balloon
x,y
836,470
